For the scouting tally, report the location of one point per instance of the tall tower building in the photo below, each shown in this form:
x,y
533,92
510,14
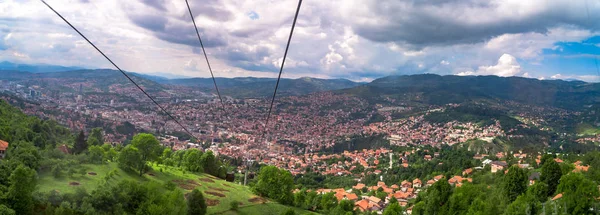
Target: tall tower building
x,y
391,161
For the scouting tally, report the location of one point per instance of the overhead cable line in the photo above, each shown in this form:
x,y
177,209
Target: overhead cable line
x,y
122,72
281,69
205,56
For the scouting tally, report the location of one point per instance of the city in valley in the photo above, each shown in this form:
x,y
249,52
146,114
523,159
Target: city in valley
x,y
377,147
337,107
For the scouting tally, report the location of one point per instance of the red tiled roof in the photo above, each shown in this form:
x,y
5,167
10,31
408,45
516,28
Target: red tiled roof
x,y
362,204
3,145
417,181
339,196
359,186
352,196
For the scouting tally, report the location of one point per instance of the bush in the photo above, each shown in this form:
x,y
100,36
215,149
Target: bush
x,y
57,171
169,185
289,212
196,203
234,205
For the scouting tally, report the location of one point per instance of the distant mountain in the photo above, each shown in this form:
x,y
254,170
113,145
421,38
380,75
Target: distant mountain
x,y
260,87
37,68
155,78
435,89
98,78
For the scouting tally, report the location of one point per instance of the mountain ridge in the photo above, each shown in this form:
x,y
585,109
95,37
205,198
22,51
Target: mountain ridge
x,y
438,90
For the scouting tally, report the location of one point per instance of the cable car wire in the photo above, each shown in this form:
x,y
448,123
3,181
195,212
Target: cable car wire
x,y
205,56
281,69
122,72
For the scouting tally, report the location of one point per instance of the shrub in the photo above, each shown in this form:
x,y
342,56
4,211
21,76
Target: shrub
x,y
234,205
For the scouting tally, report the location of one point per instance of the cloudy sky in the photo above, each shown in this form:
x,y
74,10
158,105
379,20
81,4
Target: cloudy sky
x,y
354,39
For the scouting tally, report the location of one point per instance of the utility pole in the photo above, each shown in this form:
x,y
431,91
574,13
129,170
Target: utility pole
x,y
246,172
247,167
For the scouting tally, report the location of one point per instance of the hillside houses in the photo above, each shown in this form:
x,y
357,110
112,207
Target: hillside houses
x,y
498,166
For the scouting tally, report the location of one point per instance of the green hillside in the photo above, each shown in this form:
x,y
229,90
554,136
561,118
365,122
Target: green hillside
x,y
218,193
38,177
585,129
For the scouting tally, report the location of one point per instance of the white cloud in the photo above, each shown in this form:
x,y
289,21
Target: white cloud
x,y
556,76
586,78
8,36
507,66
337,38
191,65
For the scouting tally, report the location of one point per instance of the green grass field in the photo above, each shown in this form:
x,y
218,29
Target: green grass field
x,y
587,130
218,193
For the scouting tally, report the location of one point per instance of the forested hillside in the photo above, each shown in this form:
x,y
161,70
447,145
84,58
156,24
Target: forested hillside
x,y
47,169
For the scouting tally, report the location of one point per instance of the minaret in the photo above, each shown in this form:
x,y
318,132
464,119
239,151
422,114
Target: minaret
x,y
391,161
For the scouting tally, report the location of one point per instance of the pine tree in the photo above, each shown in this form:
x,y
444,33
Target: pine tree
x,y
196,203
80,143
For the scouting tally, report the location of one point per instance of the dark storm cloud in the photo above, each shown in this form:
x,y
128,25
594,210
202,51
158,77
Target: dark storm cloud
x,y
150,22
248,59
178,28
176,31
212,9
157,4
257,67
449,22
185,34
245,33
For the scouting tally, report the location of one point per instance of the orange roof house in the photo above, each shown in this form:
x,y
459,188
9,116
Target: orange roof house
x,y
339,196
500,155
401,195
339,190
374,199
579,168
388,190
417,182
467,171
352,197
458,180
359,186
3,148
362,205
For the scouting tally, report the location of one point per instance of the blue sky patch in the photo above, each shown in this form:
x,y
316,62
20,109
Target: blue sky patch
x,y
253,15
